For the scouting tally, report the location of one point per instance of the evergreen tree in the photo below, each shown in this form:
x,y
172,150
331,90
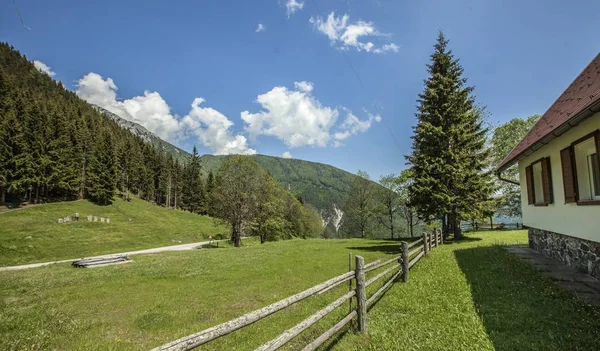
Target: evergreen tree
x,y
193,190
450,181
210,200
102,172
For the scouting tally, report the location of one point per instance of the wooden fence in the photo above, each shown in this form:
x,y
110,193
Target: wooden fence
x,y
411,253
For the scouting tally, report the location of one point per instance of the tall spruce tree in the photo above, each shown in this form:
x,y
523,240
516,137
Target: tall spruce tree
x,y
448,161
102,172
193,190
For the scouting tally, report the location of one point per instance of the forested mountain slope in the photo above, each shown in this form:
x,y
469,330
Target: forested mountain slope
x,y
55,146
136,129
318,184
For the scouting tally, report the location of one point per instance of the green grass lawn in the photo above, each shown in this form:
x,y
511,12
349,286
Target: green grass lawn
x,y
465,296
32,235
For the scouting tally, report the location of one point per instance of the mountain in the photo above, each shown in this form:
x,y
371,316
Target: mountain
x,y
320,185
136,129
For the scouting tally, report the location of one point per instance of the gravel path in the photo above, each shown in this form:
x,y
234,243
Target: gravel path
x,y
181,247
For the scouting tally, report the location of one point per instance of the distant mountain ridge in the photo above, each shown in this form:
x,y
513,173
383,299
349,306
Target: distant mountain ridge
x,y
137,129
320,185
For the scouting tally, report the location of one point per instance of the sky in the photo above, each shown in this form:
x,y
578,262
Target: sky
x,y
331,81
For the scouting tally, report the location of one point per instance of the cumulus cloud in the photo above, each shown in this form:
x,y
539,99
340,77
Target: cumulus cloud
x,y
293,116
287,154
42,67
297,118
293,6
352,125
151,111
387,47
213,130
345,34
260,28
304,86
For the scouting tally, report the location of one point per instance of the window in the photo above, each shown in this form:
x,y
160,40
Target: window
x,y
539,182
538,190
581,170
587,172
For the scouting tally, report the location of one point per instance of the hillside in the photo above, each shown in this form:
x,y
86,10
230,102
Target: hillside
x,y
145,134
318,184
32,235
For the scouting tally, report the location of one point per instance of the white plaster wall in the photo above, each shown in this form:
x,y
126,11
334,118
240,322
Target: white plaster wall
x,y
569,219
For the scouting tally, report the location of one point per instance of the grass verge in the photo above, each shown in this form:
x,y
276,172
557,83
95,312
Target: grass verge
x,y
32,235
465,296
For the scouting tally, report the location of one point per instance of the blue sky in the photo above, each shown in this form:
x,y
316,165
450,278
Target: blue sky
x,y
200,72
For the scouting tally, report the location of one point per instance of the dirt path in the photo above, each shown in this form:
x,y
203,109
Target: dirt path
x,y
5,209
181,247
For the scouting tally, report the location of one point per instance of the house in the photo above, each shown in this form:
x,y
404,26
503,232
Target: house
x,y
559,174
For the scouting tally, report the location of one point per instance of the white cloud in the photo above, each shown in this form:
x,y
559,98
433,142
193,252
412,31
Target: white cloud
x,y
387,47
260,28
352,125
212,128
293,6
287,154
348,35
304,86
298,118
42,67
151,111
293,116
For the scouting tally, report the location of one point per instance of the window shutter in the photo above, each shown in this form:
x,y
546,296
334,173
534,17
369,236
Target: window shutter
x,y
597,139
568,175
547,181
529,178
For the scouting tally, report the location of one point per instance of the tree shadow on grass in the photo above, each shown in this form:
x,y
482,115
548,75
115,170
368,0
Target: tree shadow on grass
x,y
465,239
386,246
391,248
523,310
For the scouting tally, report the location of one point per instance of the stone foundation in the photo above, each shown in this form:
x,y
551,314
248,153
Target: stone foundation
x,y
581,254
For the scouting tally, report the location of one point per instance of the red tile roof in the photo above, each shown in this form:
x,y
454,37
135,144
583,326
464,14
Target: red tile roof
x,y
580,95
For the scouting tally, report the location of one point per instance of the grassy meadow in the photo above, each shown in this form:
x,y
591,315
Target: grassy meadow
x,y
31,235
470,295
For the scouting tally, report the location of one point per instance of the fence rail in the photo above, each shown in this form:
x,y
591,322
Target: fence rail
x,y
402,267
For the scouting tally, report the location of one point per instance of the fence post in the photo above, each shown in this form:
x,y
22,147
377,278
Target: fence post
x,y
436,237
349,281
361,294
404,261
425,246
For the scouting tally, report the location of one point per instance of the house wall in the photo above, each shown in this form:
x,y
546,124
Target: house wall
x,y
581,254
568,219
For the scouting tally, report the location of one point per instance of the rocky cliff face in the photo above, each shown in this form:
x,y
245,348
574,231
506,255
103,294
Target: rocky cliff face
x,y
133,127
145,134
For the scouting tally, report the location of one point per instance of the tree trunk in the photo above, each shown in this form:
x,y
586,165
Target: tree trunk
x,y
236,235
392,223
3,199
455,226
411,225
445,229
491,222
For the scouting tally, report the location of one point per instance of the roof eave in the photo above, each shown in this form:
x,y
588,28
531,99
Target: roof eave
x,y
578,118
